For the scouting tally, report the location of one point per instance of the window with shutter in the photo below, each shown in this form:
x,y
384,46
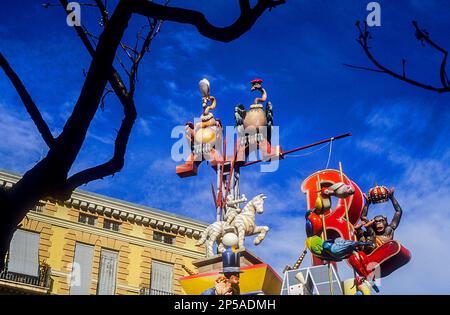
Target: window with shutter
x,y
24,253
111,225
108,270
165,238
82,270
162,278
87,219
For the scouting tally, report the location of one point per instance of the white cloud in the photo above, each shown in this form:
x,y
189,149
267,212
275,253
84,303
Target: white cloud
x,y
424,193
423,190
176,113
191,42
171,85
165,65
143,126
105,139
229,86
21,146
167,191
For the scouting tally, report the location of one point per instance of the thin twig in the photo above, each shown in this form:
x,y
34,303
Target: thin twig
x,y
423,36
28,102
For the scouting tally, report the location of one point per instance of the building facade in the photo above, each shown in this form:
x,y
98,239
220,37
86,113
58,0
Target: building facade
x,y
93,244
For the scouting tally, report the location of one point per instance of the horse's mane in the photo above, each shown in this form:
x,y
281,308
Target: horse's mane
x,y
253,203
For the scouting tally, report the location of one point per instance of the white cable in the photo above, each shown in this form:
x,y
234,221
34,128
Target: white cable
x,y
308,153
329,153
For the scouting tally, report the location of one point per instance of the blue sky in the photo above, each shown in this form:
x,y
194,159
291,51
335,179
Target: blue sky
x,y
400,133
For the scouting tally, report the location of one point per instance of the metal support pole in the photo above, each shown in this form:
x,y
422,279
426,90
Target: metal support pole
x,y
218,172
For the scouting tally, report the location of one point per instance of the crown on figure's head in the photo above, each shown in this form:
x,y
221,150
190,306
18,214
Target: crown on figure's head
x,y
379,194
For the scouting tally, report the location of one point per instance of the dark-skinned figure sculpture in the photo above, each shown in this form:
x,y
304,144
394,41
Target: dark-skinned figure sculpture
x,y
379,230
383,251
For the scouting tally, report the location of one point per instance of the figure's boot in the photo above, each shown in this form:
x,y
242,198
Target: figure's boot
x,y
358,261
214,157
189,168
241,154
269,152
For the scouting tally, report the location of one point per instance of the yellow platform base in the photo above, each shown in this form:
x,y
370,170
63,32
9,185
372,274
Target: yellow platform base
x,y
255,279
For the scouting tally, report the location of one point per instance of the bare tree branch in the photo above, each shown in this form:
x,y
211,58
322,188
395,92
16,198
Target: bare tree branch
x,y
100,70
362,68
49,177
243,23
28,102
108,42
155,28
103,11
115,80
244,5
116,163
423,36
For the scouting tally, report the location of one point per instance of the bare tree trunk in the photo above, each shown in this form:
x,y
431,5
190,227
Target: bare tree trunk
x,y
49,177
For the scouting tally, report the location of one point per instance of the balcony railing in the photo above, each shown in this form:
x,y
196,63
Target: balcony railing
x,y
43,279
38,208
147,291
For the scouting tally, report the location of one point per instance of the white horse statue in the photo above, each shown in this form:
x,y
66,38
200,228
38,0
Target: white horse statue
x,y
243,225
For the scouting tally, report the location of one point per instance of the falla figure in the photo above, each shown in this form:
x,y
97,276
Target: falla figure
x,y
205,137
228,282
388,253
378,230
254,126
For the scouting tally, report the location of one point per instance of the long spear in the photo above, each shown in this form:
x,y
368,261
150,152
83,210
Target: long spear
x,y
324,231
281,154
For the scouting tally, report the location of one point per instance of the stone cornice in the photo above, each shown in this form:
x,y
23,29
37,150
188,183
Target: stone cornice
x,y
99,204
118,236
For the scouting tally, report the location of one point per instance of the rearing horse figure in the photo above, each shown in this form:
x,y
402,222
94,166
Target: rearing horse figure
x,y
242,225
245,224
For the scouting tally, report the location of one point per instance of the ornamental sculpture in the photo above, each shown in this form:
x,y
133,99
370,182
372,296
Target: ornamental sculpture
x,y
243,224
254,126
205,137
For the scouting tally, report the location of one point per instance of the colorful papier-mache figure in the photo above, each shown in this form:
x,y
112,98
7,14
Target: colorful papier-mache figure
x,y
380,230
336,249
228,283
362,287
384,251
233,208
242,222
254,126
205,137
333,249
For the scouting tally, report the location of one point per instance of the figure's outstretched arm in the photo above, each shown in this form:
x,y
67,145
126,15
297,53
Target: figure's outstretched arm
x,y
398,211
365,210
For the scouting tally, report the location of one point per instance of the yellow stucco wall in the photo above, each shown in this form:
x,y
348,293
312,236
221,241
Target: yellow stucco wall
x,y
134,276
57,248
60,231
138,231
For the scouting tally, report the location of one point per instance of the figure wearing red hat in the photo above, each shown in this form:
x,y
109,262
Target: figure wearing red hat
x,y
254,126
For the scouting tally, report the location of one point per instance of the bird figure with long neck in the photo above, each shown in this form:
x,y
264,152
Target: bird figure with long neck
x,y
254,126
205,137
